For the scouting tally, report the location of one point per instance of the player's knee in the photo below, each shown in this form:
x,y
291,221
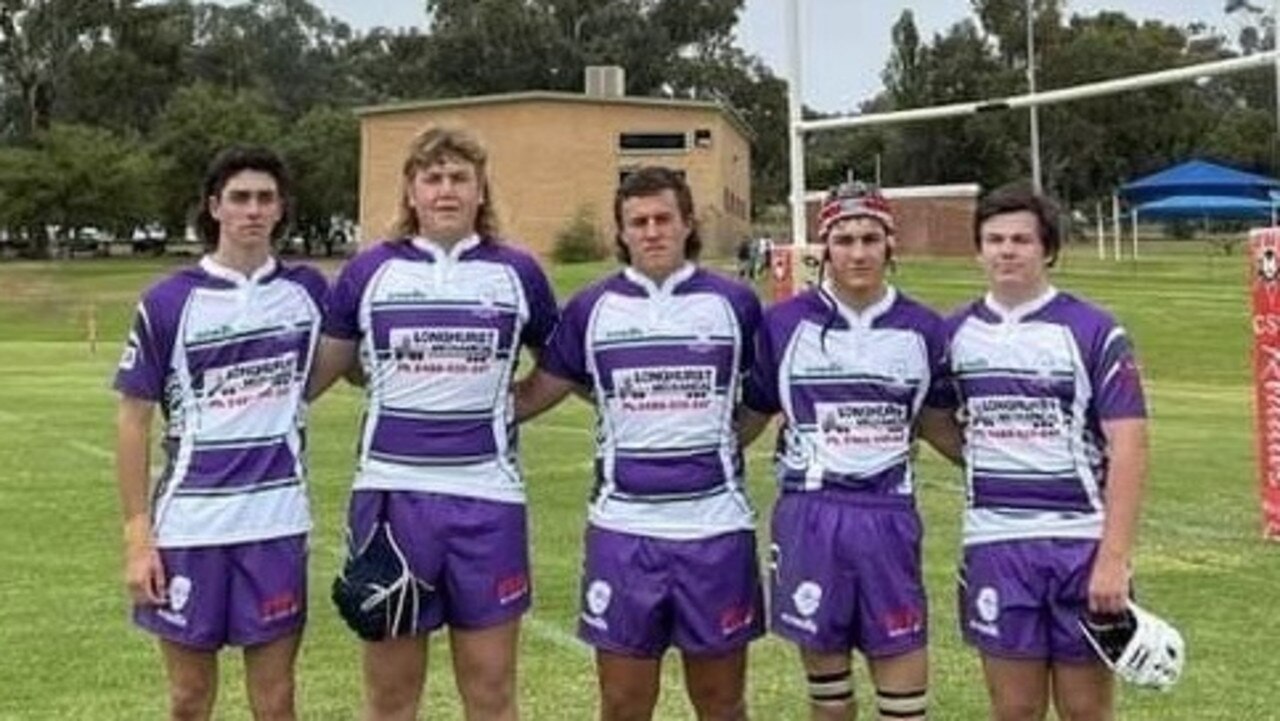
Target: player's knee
x,y
191,700
272,701
1083,708
1018,708
619,703
488,697
720,707
905,705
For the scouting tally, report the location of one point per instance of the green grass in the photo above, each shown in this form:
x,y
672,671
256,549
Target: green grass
x,y
67,650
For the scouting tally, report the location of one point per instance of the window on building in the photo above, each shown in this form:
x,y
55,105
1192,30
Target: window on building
x,y
650,142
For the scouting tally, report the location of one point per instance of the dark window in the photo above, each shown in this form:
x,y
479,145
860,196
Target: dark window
x,y
702,138
652,141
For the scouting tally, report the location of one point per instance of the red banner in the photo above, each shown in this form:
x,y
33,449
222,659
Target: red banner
x,y
1264,254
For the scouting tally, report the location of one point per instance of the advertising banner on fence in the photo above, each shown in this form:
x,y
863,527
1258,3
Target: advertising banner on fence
x,y
1264,254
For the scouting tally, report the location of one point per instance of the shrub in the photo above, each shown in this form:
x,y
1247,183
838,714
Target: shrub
x,y
580,241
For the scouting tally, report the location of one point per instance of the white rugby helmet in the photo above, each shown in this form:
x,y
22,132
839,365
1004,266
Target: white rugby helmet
x,y
1140,647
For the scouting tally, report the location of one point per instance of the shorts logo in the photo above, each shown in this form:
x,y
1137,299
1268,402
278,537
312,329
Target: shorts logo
x,y
903,622
807,598
280,606
736,618
179,592
987,605
599,594
512,588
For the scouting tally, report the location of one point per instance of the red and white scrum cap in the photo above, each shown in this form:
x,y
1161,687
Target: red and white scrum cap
x,y
857,201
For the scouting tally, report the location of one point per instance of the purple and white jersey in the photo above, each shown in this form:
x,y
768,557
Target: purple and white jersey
x,y
227,359
439,337
849,385
1035,384
664,364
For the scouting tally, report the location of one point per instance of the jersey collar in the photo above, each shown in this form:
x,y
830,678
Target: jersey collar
x,y
866,316
235,277
437,252
1021,311
680,275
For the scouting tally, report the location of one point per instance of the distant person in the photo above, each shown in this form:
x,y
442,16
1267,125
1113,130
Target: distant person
x,y
1056,459
436,319
216,549
660,348
764,254
745,255
856,369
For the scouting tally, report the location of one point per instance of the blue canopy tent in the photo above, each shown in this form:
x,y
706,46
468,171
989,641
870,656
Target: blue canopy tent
x,y
1205,207
1198,189
1199,178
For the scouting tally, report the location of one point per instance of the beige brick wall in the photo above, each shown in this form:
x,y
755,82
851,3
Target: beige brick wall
x,y
548,158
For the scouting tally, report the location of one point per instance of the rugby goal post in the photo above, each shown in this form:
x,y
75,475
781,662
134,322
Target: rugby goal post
x,y
799,126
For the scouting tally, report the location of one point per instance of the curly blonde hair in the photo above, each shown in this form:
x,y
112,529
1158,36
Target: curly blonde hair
x,y
433,145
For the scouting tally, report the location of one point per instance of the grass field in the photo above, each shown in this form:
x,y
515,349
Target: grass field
x,y
67,650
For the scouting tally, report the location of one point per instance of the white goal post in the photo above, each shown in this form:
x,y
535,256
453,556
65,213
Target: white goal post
x,y
799,127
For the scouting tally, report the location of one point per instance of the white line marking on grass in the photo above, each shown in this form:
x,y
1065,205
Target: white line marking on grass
x,y
92,450
555,635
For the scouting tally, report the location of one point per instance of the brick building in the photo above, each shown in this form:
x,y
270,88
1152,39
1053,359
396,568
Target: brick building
x,y
554,155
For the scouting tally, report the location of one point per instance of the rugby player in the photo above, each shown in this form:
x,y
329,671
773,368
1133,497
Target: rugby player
x,y
216,553
436,318
670,548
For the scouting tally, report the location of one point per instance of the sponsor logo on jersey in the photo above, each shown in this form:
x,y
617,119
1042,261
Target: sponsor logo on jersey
x,y
129,358
665,388
245,383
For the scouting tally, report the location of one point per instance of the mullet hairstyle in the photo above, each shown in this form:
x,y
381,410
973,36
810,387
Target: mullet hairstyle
x,y
436,144
649,181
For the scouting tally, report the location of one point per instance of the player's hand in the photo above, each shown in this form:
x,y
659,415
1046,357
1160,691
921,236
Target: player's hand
x,y
144,572
1109,585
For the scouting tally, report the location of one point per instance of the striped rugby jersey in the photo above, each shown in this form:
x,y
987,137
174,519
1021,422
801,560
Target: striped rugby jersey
x,y
227,359
850,385
439,337
1035,384
664,364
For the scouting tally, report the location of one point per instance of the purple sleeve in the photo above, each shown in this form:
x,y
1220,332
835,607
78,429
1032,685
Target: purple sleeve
x,y
760,390
565,354
749,314
942,391
144,364
342,309
543,313
314,282
1114,374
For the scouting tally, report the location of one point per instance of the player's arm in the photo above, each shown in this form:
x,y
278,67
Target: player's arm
x,y
538,392
143,570
938,427
1126,476
750,424
335,358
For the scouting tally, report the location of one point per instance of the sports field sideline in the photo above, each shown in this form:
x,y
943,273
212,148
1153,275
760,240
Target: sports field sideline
x,y
67,650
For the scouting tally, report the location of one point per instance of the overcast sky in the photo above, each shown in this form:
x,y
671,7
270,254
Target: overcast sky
x,y
847,41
